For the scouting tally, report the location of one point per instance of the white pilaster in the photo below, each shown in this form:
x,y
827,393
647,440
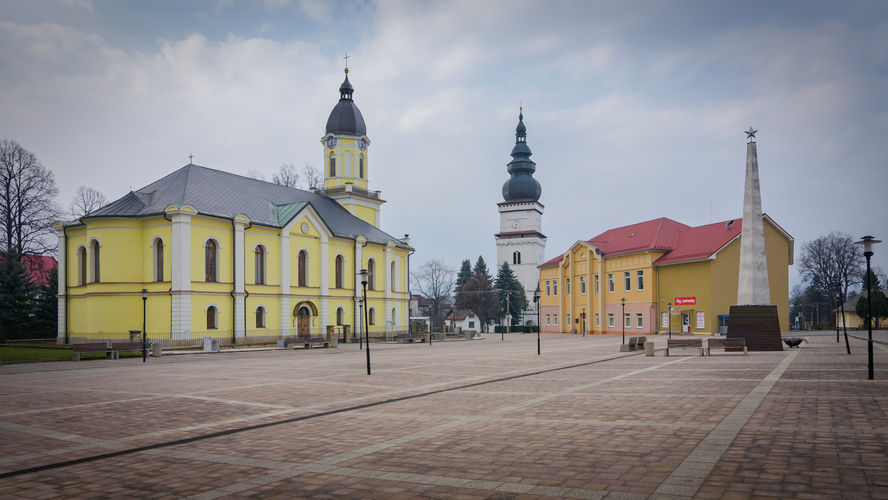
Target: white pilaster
x,y
180,277
63,281
284,323
239,256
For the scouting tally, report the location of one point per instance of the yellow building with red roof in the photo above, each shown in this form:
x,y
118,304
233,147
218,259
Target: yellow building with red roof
x,y
657,276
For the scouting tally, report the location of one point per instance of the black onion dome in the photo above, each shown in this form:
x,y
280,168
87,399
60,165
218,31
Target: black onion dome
x,y
521,184
346,118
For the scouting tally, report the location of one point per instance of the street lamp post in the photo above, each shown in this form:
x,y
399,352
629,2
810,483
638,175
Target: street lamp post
x,y
623,319
536,304
669,320
868,243
845,328
838,297
144,336
361,321
364,276
583,321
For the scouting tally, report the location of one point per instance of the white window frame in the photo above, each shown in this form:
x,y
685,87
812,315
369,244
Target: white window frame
x,y
610,282
627,281
555,288
596,284
548,319
627,320
639,276
548,288
597,320
582,285
639,320
610,320
556,319
567,286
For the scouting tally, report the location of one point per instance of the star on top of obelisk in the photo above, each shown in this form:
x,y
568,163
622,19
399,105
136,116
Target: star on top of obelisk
x,y
750,134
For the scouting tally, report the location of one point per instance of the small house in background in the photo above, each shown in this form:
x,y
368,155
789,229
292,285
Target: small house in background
x,y
464,319
852,320
39,266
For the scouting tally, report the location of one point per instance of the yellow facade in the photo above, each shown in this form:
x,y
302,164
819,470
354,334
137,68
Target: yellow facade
x,y
696,291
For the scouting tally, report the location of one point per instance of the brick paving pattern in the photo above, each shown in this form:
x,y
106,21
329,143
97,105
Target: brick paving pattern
x,y
462,419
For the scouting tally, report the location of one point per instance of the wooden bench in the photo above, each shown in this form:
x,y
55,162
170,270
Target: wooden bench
x,y
91,347
118,347
307,342
684,344
729,345
409,337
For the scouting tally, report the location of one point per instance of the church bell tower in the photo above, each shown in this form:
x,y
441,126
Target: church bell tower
x,y
346,162
520,241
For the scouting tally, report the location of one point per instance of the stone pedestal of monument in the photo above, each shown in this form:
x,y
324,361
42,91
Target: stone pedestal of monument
x,y
759,325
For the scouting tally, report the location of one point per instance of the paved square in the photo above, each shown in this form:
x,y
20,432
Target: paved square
x,y
461,419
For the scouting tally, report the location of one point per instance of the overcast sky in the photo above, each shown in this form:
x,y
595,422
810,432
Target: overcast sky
x,y
634,110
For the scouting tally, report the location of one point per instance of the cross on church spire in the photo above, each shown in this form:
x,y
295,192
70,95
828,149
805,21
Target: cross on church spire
x,y
191,158
346,62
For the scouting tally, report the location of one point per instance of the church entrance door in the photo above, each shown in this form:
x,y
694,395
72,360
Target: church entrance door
x,y
303,320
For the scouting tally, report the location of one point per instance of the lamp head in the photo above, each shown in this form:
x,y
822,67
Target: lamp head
x,y
867,242
144,293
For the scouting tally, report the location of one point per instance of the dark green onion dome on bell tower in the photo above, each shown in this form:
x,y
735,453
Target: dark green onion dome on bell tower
x,y
521,185
346,118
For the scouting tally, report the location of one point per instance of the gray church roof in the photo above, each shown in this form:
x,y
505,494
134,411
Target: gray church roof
x,y
221,194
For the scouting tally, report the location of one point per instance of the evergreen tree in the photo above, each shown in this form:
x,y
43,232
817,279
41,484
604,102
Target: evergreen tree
x,y
511,294
480,268
873,278
16,297
47,307
465,272
479,295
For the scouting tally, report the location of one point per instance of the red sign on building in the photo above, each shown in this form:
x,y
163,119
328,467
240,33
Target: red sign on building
x,y
686,301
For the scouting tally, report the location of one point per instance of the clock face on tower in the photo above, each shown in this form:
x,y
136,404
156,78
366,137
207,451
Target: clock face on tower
x,y
361,144
516,224
331,142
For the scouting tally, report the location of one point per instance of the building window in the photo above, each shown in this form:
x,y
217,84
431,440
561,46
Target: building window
x,y
302,269
548,319
212,318
567,322
516,257
640,279
567,285
596,283
597,324
556,319
627,281
260,317
94,253
210,255
627,320
471,324
260,265
158,259
392,276
547,289
339,314
583,285
610,320
81,266
332,164
639,320
371,278
372,315
555,288
361,166
339,271
610,282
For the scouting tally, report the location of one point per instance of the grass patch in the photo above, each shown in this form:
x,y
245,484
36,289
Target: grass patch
x,y
22,354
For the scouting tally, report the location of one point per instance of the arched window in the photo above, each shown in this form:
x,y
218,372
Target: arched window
x,y
392,275
260,317
393,317
371,279
94,251
339,316
332,164
81,266
372,316
260,265
158,259
361,166
339,269
302,269
211,253
212,318
516,257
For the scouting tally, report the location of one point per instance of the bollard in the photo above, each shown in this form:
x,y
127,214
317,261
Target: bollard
x,y
156,350
648,348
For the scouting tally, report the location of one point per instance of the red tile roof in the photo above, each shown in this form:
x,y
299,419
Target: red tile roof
x,y
39,265
459,315
680,242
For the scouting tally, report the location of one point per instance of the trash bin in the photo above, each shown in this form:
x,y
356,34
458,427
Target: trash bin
x,y
282,343
211,344
648,348
156,350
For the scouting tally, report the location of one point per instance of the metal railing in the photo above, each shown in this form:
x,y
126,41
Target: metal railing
x,y
354,189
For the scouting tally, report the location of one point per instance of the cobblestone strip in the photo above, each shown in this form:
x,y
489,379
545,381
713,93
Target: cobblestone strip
x,y
688,477
328,465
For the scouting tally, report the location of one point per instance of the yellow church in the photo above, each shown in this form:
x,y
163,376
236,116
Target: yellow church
x,y
240,259
655,277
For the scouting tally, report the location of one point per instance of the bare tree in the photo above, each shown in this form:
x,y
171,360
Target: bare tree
x,y
312,176
27,201
86,201
832,263
255,174
434,280
286,176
